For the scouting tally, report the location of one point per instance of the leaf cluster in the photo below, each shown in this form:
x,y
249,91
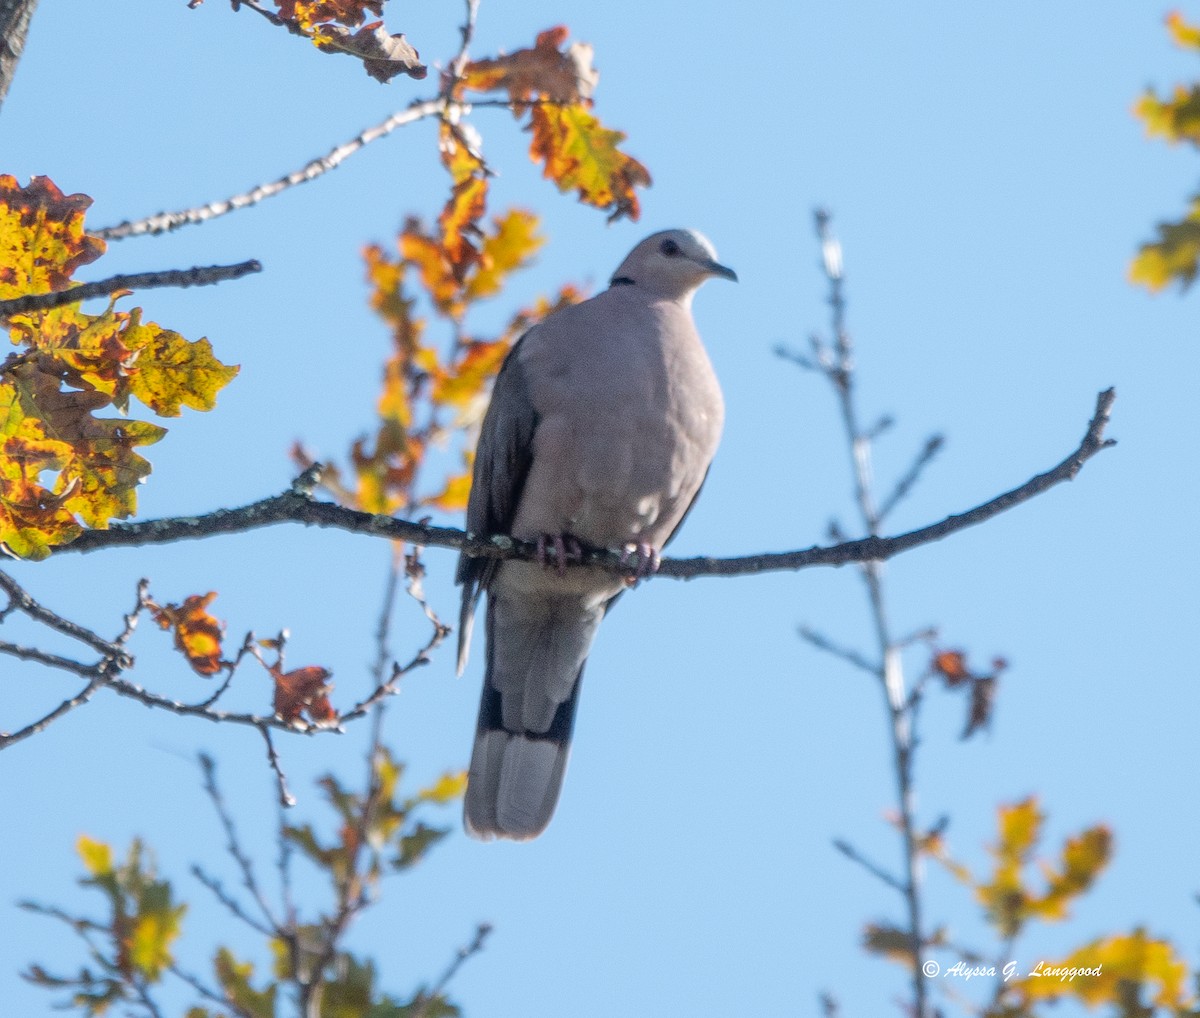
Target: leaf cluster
x,y
132,949
1134,973
1174,255
62,466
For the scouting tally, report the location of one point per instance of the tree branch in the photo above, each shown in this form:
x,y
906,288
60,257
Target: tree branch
x,y
196,276
164,222
297,506
14,25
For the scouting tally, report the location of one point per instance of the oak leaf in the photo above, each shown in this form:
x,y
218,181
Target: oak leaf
x,y
543,72
383,55
303,691
197,633
579,153
555,87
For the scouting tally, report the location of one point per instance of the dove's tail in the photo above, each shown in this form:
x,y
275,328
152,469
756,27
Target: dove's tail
x,y
536,650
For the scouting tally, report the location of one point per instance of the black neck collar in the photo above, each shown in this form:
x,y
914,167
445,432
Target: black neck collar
x,y
621,281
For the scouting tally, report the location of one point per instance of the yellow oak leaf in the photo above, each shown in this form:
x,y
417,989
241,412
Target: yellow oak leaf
x,y
171,372
579,153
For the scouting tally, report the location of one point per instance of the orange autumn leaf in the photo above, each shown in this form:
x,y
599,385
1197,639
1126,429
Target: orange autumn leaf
x,y
544,71
464,209
197,633
555,86
467,379
303,691
952,666
307,13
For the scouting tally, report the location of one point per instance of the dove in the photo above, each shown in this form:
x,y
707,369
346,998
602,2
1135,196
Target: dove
x,y
602,424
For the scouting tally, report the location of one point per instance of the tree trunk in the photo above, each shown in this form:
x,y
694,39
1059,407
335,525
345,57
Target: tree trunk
x,y
14,23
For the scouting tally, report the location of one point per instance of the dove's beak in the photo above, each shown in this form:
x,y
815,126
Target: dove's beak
x,y
717,269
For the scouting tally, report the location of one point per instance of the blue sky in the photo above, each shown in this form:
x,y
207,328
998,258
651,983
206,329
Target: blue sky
x,y
989,185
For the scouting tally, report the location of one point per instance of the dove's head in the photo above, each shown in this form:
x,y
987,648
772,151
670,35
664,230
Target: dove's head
x,y
671,264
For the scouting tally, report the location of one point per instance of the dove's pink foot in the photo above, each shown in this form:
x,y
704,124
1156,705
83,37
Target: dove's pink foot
x,y
566,549
644,559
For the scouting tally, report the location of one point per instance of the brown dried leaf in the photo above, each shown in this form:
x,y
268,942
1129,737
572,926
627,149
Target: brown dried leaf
x,y
303,691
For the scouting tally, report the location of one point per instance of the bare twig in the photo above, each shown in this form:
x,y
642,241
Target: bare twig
x,y
461,956
852,853
839,370
232,845
294,507
230,902
28,606
196,276
164,222
929,450
822,642
286,799
83,696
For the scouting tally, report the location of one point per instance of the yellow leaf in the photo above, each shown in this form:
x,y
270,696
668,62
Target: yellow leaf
x,y
1004,896
96,855
1083,858
42,240
510,247
1174,257
153,934
447,788
171,372
476,366
1175,119
1105,969
453,497
1183,33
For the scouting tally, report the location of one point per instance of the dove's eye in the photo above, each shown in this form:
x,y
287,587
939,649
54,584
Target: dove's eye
x,y
669,248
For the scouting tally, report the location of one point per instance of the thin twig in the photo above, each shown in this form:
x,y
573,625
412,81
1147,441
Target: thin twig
x,y
26,604
461,956
822,642
853,854
205,991
232,845
929,450
44,657
198,275
83,696
164,222
286,799
230,902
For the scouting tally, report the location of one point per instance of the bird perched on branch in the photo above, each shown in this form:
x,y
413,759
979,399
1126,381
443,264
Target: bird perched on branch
x,y
602,424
